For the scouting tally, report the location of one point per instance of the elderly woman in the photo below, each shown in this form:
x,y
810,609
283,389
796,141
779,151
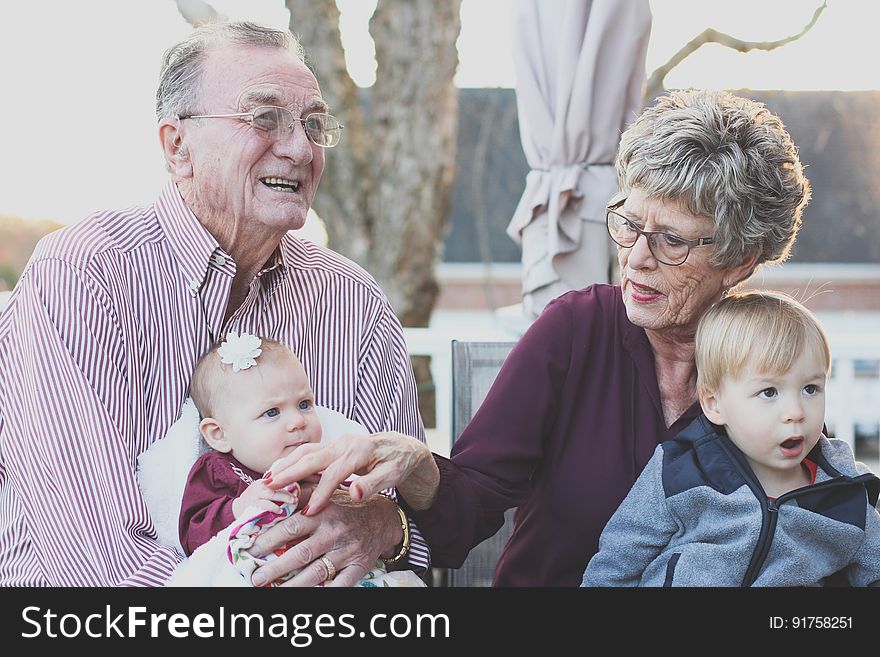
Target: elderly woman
x,y
713,184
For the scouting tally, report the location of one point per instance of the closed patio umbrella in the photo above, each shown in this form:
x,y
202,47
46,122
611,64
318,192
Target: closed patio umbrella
x,y
580,68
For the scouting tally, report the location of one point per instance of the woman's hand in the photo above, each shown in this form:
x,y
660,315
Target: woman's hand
x,y
351,535
384,460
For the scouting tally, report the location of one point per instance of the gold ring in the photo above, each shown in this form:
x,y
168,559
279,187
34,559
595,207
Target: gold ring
x,y
331,569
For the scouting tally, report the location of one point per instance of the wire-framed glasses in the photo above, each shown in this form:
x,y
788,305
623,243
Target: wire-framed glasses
x,y
665,247
276,123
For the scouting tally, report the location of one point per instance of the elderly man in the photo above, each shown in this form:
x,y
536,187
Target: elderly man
x,y
102,332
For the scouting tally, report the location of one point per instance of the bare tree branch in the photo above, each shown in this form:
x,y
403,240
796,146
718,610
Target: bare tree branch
x,y
655,83
198,12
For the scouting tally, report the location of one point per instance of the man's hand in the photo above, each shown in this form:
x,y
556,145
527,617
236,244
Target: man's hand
x,y
260,496
352,535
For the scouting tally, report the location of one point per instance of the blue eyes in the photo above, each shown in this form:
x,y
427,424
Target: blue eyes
x,y
304,405
768,393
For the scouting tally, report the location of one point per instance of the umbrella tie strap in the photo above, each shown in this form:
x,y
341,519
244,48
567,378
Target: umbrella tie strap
x,y
582,165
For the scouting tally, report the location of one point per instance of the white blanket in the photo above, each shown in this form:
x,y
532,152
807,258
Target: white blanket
x,y
162,473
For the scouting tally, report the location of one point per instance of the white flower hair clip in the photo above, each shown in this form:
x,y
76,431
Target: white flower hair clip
x,y
240,351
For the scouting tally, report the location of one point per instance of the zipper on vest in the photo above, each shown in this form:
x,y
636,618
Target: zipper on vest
x,y
771,517
770,508
768,515
765,540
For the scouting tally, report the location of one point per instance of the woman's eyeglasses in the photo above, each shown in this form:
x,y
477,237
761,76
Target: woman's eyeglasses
x,y
665,247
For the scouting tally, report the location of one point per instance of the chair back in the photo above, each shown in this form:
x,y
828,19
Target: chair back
x,y
474,368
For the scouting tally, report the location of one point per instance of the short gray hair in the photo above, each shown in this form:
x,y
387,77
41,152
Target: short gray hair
x,y
723,157
181,71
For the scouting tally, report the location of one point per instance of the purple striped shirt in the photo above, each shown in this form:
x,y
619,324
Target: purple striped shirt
x,y
97,346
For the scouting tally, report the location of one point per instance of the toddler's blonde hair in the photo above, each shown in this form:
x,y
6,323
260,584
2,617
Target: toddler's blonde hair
x,y
763,330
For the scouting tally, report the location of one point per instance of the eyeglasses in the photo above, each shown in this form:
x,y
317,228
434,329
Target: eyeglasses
x,y
277,123
665,247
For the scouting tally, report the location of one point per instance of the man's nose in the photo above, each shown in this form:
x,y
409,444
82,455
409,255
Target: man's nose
x,y
296,145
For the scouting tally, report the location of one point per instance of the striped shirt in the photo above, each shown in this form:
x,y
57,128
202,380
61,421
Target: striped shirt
x,y
97,346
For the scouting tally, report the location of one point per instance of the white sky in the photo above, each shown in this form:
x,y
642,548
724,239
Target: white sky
x,y
77,128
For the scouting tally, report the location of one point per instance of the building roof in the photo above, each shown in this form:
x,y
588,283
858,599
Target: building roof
x,y
837,133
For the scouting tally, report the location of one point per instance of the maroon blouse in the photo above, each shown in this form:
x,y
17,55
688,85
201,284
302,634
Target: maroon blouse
x,y
214,481
567,427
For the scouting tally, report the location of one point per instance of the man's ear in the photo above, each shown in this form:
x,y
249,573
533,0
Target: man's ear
x,y
711,406
176,153
213,434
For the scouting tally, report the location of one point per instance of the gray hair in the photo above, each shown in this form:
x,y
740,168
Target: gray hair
x,y
181,71
723,157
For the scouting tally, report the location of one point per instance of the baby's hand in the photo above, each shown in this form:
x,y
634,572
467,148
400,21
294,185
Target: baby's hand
x,y
260,496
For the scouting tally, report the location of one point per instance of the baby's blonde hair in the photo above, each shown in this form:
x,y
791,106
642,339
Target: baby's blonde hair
x,y
764,330
210,373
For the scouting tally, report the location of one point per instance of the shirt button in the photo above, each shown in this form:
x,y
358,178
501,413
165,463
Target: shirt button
x,y
219,260
194,287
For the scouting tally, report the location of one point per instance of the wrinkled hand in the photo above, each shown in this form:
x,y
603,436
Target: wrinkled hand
x,y
352,535
384,460
259,495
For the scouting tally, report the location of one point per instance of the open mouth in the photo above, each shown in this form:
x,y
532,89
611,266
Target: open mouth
x,y
281,184
792,446
644,290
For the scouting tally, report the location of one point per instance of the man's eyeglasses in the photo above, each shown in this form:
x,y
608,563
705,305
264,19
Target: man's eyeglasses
x,y
665,247
278,122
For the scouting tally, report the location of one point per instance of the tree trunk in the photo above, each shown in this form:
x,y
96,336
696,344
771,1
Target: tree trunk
x,y
386,189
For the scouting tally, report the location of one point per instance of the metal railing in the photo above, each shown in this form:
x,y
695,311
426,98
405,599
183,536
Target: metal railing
x,y
437,344
852,399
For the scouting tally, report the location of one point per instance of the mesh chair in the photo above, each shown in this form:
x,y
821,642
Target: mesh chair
x,y
474,368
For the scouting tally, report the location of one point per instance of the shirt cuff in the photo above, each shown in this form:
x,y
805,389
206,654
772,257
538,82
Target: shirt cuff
x,y
419,555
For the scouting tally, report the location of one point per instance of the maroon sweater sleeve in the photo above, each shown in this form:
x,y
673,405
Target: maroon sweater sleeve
x,y
207,501
493,461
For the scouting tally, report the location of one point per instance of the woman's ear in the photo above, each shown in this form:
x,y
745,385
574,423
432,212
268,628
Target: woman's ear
x,y
213,434
176,153
712,409
736,275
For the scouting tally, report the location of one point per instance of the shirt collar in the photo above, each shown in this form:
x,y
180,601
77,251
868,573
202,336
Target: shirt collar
x,y
276,262
811,467
191,243
276,269
194,247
